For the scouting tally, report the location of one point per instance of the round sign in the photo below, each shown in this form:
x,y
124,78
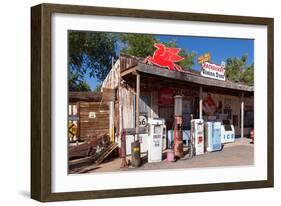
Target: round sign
x,y
142,121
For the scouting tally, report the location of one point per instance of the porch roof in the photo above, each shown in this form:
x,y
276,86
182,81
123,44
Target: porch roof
x,y
184,76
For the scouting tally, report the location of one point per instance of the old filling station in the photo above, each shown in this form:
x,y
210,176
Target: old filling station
x,y
152,111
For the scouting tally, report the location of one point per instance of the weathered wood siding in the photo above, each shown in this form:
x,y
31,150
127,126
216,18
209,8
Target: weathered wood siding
x,y
112,79
93,127
127,62
154,104
126,100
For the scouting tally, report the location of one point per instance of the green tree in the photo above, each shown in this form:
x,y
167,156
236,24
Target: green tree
x,y
247,76
76,84
238,71
188,61
140,45
90,53
98,88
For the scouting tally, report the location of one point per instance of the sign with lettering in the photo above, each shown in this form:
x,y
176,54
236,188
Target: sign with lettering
x,y
213,71
204,58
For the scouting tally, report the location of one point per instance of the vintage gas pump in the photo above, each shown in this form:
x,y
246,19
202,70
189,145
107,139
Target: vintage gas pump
x,y
157,130
197,129
178,140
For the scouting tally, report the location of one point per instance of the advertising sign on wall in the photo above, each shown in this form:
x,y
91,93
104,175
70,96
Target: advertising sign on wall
x,y
166,96
213,71
209,105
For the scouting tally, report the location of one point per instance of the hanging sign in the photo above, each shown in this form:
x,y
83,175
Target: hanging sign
x,y
213,71
165,57
204,58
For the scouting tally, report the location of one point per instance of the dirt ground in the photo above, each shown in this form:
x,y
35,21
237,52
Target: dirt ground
x,y
239,153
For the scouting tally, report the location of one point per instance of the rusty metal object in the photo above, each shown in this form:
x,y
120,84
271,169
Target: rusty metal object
x,y
88,148
136,156
178,140
124,162
252,136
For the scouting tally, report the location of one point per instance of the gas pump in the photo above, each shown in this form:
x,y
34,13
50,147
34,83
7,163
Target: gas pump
x,y
178,140
157,130
197,128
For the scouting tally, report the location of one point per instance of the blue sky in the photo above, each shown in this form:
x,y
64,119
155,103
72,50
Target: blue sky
x,y
220,49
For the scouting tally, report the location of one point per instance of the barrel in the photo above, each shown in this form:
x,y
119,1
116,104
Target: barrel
x,y
136,156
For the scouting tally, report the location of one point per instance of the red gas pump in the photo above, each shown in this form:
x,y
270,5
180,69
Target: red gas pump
x,y
178,141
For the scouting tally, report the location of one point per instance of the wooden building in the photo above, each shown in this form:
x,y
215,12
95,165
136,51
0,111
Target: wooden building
x,y
148,91
89,114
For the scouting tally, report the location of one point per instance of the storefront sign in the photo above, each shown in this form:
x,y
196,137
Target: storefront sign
x,y
166,96
213,71
204,58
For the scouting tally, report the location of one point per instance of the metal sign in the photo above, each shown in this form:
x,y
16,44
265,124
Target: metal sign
x,y
165,57
73,118
72,129
92,115
209,105
166,96
223,64
142,121
204,58
213,71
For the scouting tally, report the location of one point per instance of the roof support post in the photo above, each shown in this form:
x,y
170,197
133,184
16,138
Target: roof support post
x,y
137,104
111,121
242,115
200,102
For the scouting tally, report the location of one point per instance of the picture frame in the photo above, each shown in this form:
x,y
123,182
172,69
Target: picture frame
x,y
41,101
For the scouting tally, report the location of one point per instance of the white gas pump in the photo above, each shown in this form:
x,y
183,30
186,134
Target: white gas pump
x,y
156,135
197,128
